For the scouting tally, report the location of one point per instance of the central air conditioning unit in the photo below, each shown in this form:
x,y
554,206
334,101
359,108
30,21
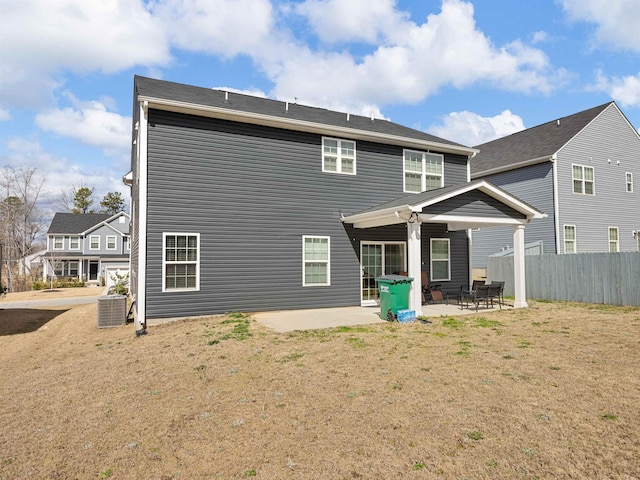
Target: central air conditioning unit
x,y
112,311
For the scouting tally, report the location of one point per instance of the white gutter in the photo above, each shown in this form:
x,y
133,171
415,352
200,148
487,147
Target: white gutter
x,y
301,125
513,166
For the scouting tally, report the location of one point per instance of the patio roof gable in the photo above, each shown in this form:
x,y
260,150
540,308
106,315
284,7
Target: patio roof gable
x,y
471,205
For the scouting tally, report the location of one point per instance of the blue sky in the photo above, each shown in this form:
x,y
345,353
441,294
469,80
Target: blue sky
x,y
469,71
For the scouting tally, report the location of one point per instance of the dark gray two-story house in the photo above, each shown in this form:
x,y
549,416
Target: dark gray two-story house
x,y
248,204
93,247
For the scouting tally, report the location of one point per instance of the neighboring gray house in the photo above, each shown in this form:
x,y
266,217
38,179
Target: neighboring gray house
x,y
91,246
581,171
246,204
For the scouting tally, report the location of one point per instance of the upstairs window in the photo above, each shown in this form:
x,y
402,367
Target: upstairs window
x,y
94,242
583,180
74,243
614,245
111,242
629,177
315,261
423,171
58,243
338,156
569,239
181,262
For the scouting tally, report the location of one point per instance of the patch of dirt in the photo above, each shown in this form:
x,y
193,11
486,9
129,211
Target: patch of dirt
x,y
55,293
551,391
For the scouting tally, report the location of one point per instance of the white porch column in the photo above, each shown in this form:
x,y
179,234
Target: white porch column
x,y
518,267
414,260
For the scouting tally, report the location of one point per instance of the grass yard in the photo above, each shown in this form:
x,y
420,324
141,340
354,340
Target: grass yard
x,y
548,392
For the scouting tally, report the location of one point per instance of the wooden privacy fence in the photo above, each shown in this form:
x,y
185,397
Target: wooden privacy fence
x,y
608,278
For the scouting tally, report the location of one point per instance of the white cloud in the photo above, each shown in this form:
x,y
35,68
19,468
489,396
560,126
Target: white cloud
x,y
42,40
539,37
624,90
214,26
91,123
4,115
616,20
352,20
472,129
446,50
60,174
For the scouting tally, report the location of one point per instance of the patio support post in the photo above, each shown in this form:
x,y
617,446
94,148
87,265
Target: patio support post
x,y
519,267
414,254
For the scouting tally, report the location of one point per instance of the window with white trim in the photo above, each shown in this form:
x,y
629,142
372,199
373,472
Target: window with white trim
x,y
629,179
127,241
583,179
422,171
181,261
111,242
614,245
440,259
94,242
73,268
569,239
338,156
74,243
316,270
58,243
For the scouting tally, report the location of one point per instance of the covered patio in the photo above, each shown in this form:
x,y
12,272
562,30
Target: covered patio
x,y
469,206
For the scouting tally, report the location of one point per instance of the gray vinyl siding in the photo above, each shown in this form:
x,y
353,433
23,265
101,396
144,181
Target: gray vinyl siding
x,y
251,193
607,137
534,185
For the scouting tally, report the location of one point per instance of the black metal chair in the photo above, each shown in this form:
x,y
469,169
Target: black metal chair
x,y
482,294
501,294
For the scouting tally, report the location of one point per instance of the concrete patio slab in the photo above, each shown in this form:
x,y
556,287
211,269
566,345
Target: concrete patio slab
x,y
290,320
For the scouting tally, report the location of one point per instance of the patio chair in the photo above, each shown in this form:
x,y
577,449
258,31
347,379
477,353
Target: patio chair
x,y
482,294
430,293
501,294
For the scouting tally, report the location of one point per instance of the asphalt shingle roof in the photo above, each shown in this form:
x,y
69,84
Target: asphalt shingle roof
x,y
536,142
75,222
163,90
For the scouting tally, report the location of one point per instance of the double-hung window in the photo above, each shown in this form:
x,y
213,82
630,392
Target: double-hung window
x,y
181,261
94,242
74,243
338,156
111,242
423,171
629,177
315,261
440,259
58,243
73,268
614,245
569,239
583,180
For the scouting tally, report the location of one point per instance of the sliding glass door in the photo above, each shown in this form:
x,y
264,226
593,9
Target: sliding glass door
x,y
377,259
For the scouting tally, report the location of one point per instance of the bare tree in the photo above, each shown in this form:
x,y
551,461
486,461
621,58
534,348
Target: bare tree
x,y
20,220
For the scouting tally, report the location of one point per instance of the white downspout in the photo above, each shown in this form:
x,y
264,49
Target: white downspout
x,y
141,293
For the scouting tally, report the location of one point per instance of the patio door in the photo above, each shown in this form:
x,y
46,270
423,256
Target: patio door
x,y
376,259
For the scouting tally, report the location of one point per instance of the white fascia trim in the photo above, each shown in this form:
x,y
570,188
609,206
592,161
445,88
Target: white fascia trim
x,y
490,190
379,214
463,223
300,125
514,166
107,223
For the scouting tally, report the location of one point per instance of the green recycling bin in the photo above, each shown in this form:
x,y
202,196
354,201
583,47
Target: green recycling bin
x,y
394,294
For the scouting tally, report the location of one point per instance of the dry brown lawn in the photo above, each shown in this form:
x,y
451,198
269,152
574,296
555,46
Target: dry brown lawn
x,y
552,391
